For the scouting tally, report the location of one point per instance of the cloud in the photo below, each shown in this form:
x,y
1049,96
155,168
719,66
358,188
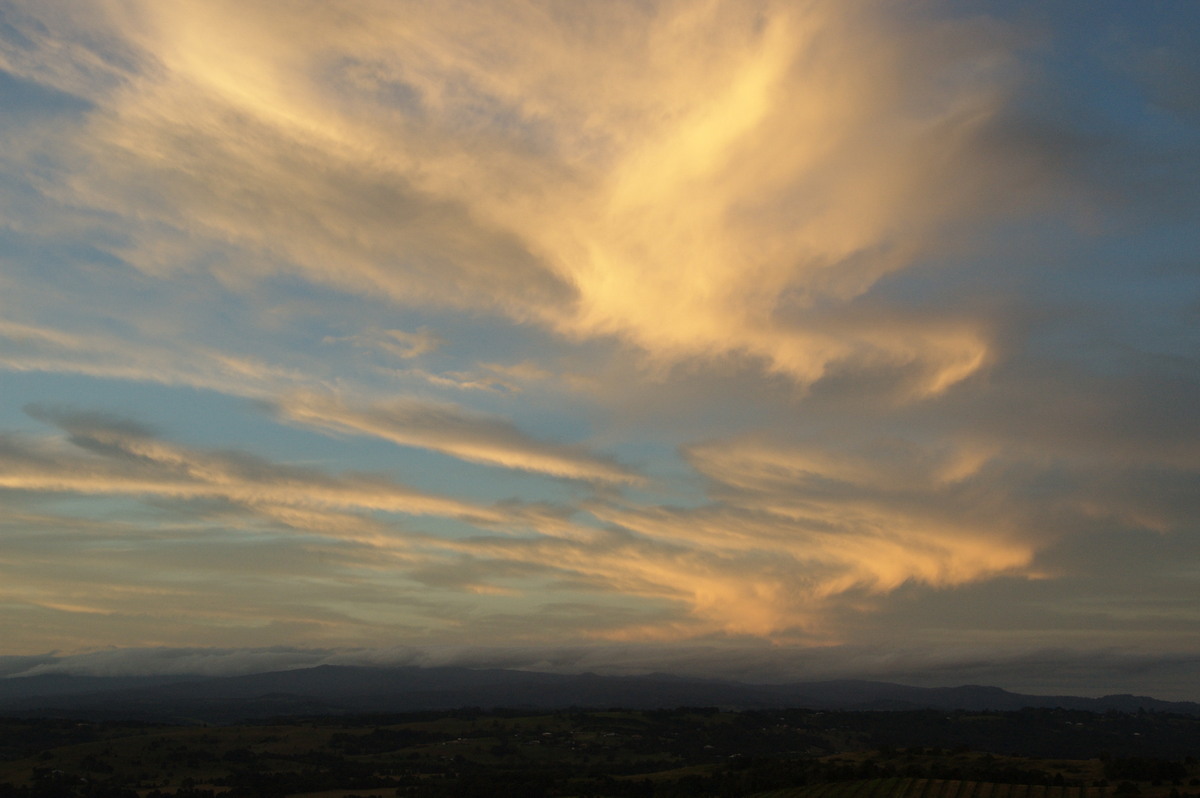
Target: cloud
x,y
782,542
738,179
909,283
795,538
791,534
18,665
163,661
177,575
41,348
1052,671
451,430
401,344
114,457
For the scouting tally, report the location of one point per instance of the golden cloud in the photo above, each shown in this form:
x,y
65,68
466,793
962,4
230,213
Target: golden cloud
x,y
698,181
114,457
451,430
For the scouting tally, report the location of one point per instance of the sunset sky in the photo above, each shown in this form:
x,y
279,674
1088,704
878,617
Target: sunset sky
x,y
766,340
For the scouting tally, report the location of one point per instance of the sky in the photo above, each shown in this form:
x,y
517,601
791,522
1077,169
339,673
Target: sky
x,y
757,339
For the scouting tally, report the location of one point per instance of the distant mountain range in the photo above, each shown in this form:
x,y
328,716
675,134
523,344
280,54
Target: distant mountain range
x,y
333,690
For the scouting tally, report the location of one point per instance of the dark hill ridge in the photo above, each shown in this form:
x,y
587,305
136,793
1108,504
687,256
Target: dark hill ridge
x,y
57,684
332,690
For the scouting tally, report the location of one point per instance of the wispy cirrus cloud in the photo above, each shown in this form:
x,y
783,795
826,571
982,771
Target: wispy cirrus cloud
x,y
790,535
112,456
774,549
793,539
93,353
451,430
744,175
399,343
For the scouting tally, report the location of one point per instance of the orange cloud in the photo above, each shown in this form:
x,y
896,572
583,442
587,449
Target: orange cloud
x,y
790,534
794,532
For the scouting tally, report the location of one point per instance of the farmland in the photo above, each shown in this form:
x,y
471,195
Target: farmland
x,y
650,754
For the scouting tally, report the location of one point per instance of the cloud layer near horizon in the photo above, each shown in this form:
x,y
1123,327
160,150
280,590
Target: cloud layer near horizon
x,y
806,322
1038,671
